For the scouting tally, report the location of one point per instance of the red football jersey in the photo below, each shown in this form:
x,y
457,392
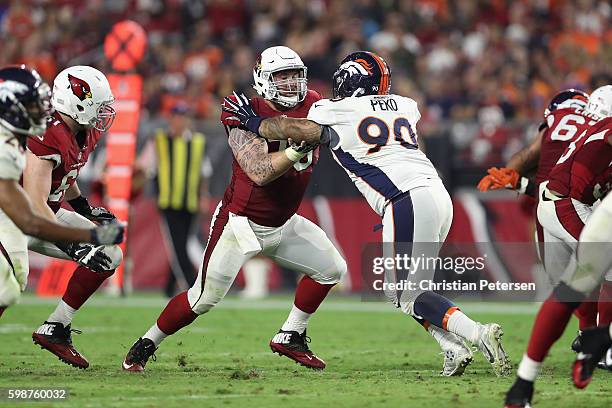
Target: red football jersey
x,y
273,204
60,146
583,171
563,127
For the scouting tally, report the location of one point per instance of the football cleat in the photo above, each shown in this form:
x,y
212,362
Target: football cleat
x,y
457,355
595,343
577,343
456,361
519,395
139,354
295,346
57,339
489,343
606,361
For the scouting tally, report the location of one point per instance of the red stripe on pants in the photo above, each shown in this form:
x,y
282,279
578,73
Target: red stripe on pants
x,y
568,217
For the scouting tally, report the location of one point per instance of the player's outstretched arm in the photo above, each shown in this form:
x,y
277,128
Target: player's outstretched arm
x,y
16,204
276,128
251,153
297,129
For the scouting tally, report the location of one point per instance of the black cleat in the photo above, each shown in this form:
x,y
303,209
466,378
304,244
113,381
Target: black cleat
x,y
138,355
519,395
577,343
595,343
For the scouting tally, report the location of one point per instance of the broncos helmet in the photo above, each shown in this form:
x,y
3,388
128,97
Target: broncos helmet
x,y
565,99
362,73
25,101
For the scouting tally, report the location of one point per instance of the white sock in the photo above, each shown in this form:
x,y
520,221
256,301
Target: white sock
x,y
463,326
155,335
528,369
296,321
610,328
62,314
442,336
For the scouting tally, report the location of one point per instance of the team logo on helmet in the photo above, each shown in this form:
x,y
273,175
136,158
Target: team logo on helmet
x,y
79,87
10,88
354,67
368,67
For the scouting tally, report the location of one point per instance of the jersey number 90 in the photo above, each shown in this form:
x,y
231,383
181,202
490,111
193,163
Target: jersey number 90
x,y
375,132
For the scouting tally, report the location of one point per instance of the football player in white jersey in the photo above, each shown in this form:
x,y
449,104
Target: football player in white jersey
x,y
24,107
372,135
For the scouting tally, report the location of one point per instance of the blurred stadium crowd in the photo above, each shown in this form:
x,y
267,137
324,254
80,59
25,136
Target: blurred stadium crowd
x,y
471,64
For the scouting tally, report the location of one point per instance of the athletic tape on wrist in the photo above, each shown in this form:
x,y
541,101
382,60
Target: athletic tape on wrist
x,y
293,155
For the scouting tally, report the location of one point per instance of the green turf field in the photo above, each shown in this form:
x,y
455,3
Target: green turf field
x,y
376,358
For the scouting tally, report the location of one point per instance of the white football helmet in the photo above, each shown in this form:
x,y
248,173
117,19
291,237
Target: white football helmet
x,y
600,102
287,92
84,94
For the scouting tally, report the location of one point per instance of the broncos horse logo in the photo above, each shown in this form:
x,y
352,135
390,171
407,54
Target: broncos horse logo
x,y
79,87
354,67
8,90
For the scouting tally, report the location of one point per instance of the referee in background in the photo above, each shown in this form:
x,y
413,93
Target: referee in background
x,y
181,169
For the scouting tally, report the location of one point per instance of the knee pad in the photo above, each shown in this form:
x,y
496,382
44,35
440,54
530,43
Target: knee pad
x,y
216,287
334,273
200,308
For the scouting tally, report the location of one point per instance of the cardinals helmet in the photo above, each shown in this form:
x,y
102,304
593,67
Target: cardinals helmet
x,y
84,94
285,92
600,102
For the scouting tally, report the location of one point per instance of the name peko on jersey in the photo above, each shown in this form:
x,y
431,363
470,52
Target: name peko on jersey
x,y
374,139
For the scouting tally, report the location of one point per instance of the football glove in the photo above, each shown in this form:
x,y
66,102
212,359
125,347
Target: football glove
x,y
108,234
499,178
90,256
243,111
96,214
485,184
504,177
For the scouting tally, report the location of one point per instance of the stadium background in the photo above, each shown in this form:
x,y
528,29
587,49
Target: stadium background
x,y
481,71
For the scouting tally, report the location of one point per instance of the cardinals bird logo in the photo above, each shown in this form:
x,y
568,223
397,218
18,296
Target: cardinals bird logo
x,y
79,87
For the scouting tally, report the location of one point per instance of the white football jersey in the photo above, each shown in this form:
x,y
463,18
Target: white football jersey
x,y
12,157
376,144
12,164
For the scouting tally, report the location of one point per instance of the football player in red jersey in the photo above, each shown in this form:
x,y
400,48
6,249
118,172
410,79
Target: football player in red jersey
x,y
580,177
25,102
564,120
257,217
81,98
